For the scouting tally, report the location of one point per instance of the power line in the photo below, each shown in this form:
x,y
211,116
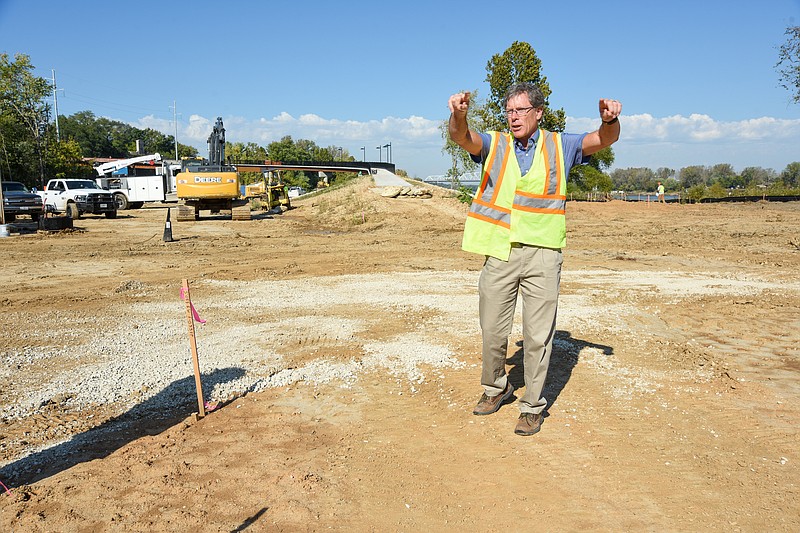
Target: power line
x,y
69,95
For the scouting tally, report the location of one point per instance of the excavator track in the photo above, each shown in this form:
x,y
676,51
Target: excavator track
x,y
241,212
186,213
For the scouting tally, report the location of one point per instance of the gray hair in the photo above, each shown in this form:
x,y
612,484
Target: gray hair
x,y
535,95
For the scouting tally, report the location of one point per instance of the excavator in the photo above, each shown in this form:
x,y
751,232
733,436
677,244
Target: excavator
x,y
210,184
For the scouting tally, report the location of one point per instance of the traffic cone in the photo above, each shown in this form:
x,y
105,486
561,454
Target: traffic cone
x,y
168,228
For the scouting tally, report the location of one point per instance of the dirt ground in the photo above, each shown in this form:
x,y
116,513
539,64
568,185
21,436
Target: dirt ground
x,y
673,386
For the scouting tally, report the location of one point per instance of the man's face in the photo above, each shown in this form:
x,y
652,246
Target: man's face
x,y
523,121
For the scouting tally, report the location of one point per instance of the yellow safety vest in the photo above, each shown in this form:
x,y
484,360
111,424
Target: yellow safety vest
x,y
509,207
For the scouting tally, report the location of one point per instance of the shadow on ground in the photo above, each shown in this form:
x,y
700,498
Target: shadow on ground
x,y
566,351
154,415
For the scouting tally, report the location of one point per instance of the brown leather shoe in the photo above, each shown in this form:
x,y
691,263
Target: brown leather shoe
x,y
529,424
490,404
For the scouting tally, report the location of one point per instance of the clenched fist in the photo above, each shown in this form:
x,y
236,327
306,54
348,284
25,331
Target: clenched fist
x,y
459,103
609,109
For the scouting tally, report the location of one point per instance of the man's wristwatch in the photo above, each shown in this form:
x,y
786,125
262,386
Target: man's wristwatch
x,y
612,121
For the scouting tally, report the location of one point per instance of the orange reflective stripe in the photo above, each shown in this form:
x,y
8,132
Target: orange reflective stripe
x,y
487,167
546,157
543,210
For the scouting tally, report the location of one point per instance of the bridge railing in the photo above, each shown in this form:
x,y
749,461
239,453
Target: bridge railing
x,y
318,165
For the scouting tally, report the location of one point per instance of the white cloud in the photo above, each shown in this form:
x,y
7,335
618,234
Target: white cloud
x,y
673,141
695,127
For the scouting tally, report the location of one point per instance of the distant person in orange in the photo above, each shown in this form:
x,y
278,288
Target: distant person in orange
x,y
661,193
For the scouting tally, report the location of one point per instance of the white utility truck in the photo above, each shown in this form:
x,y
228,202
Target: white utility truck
x,y
137,180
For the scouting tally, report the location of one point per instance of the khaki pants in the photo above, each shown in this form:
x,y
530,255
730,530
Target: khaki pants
x,y
536,274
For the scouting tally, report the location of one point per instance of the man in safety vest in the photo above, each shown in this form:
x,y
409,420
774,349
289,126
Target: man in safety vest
x,y
517,222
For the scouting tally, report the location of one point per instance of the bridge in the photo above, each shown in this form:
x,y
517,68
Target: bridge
x,y
317,166
470,180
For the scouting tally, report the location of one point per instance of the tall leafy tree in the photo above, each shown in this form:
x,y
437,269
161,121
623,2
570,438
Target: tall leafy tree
x,y
789,63
25,115
238,151
65,160
724,174
461,162
692,176
791,175
517,64
753,176
103,137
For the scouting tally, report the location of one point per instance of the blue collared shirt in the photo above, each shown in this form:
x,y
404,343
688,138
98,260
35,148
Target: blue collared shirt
x,y
573,151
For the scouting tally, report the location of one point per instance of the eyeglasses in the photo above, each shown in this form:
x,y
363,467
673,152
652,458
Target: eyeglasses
x,y
520,112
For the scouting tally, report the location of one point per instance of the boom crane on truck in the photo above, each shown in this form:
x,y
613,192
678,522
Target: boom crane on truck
x,y
132,189
112,166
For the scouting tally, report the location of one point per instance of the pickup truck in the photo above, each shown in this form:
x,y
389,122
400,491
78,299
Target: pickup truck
x,y
18,200
76,197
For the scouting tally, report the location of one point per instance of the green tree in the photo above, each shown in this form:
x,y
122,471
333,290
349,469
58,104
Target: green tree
x,y
460,161
517,64
184,150
664,174
65,160
633,179
83,127
237,151
789,63
791,175
103,137
602,160
724,174
25,115
693,175
753,176
696,192
717,190
588,178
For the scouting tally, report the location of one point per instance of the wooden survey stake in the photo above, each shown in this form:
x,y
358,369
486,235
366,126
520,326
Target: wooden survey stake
x,y
193,343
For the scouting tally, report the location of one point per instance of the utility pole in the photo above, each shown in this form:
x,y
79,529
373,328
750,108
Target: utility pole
x,y
55,104
175,122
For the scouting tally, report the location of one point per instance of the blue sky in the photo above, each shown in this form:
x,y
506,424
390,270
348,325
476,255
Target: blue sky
x,y
696,78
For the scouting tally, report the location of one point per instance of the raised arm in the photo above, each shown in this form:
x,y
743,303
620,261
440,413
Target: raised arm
x,y
608,132
458,128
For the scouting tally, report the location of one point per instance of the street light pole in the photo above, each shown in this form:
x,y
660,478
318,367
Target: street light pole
x,y
363,153
55,102
388,152
380,154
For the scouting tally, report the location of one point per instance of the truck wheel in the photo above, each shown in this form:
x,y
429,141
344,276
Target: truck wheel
x,y
121,201
111,214
72,211
136,205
